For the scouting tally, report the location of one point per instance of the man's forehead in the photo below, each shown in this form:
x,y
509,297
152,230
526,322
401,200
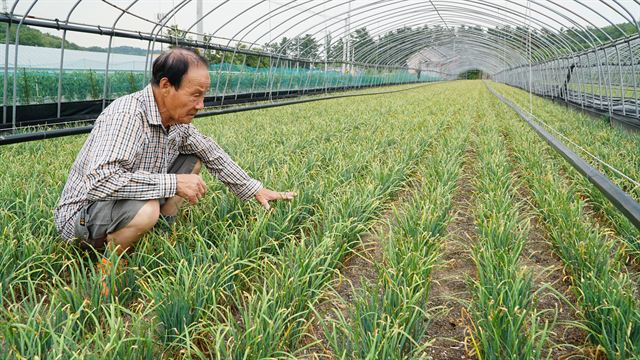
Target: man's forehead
x,y
198,77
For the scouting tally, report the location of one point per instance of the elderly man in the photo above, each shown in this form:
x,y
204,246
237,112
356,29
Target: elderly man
x,y
143,158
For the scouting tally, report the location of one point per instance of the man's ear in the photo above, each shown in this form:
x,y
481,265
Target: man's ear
x,y
164,85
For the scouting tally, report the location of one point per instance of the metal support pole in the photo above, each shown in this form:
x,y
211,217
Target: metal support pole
x,y
608,81
635,79
580,81
241,75
600,76
622,88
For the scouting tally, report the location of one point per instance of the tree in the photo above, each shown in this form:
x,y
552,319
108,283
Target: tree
x,y
212,56
284,47
251,60
363,45
336,50
176,35
394,47
308,47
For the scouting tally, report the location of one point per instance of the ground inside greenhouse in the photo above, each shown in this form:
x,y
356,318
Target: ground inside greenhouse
x,y
225,269
449,328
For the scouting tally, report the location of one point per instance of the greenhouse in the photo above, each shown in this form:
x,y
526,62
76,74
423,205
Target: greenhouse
x,y
320,179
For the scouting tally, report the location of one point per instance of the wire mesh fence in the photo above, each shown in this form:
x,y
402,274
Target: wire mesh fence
x,y
86,52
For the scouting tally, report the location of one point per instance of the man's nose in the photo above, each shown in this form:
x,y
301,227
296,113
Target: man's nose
x,y
200,104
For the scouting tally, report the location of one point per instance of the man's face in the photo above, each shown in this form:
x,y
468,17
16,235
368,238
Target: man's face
x,y
182,104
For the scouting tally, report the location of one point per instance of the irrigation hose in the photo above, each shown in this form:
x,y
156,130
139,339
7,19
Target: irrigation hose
x,y
620,199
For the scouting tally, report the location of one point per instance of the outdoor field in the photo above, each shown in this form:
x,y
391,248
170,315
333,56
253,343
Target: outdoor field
x,y
430,223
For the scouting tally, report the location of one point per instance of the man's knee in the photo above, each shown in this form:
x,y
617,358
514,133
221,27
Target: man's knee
x,y
147,216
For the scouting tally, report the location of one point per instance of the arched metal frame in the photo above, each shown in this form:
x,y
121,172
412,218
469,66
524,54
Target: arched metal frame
x,y
551,47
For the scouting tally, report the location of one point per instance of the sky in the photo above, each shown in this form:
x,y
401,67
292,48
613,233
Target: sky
x,y
262,21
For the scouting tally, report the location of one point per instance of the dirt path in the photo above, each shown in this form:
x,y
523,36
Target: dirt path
x,y
356,270
449,284
548,271
547,267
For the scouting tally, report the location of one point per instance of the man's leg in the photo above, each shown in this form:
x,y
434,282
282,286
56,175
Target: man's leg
x,y
144,220
148,215
119,223
185,164
128,229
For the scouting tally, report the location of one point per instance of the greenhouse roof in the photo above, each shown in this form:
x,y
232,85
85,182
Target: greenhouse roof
x,y
487,34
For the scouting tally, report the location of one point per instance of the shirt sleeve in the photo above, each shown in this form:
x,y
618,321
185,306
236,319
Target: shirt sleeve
x,y
117,140
219,163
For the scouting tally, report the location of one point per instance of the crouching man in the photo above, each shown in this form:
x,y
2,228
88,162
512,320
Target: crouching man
x,y
143,159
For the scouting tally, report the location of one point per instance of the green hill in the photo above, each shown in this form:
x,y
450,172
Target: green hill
x,y
35,37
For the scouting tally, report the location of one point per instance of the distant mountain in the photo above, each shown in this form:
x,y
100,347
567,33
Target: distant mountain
x,y
128,50
35,37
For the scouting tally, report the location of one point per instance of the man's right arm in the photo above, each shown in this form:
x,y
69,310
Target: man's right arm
x,y
117,141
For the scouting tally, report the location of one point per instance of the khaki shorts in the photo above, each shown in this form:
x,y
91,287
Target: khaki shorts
x,y
98,219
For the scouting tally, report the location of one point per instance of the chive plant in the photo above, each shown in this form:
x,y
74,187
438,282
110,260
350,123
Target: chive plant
x,y
230,280
250,246
240,236
279,310
388,319
506,324
352,226
607,298
614,146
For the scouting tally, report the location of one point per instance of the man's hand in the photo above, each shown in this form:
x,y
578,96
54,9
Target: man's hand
x,y
190,187
265,195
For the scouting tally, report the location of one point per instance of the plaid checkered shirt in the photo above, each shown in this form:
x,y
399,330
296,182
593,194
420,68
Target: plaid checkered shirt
x,y
127,156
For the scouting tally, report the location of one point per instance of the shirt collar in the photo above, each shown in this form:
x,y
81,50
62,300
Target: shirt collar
x,y
152,107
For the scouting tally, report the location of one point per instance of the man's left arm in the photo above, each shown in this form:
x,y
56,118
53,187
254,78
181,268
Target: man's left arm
x,y
226,170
